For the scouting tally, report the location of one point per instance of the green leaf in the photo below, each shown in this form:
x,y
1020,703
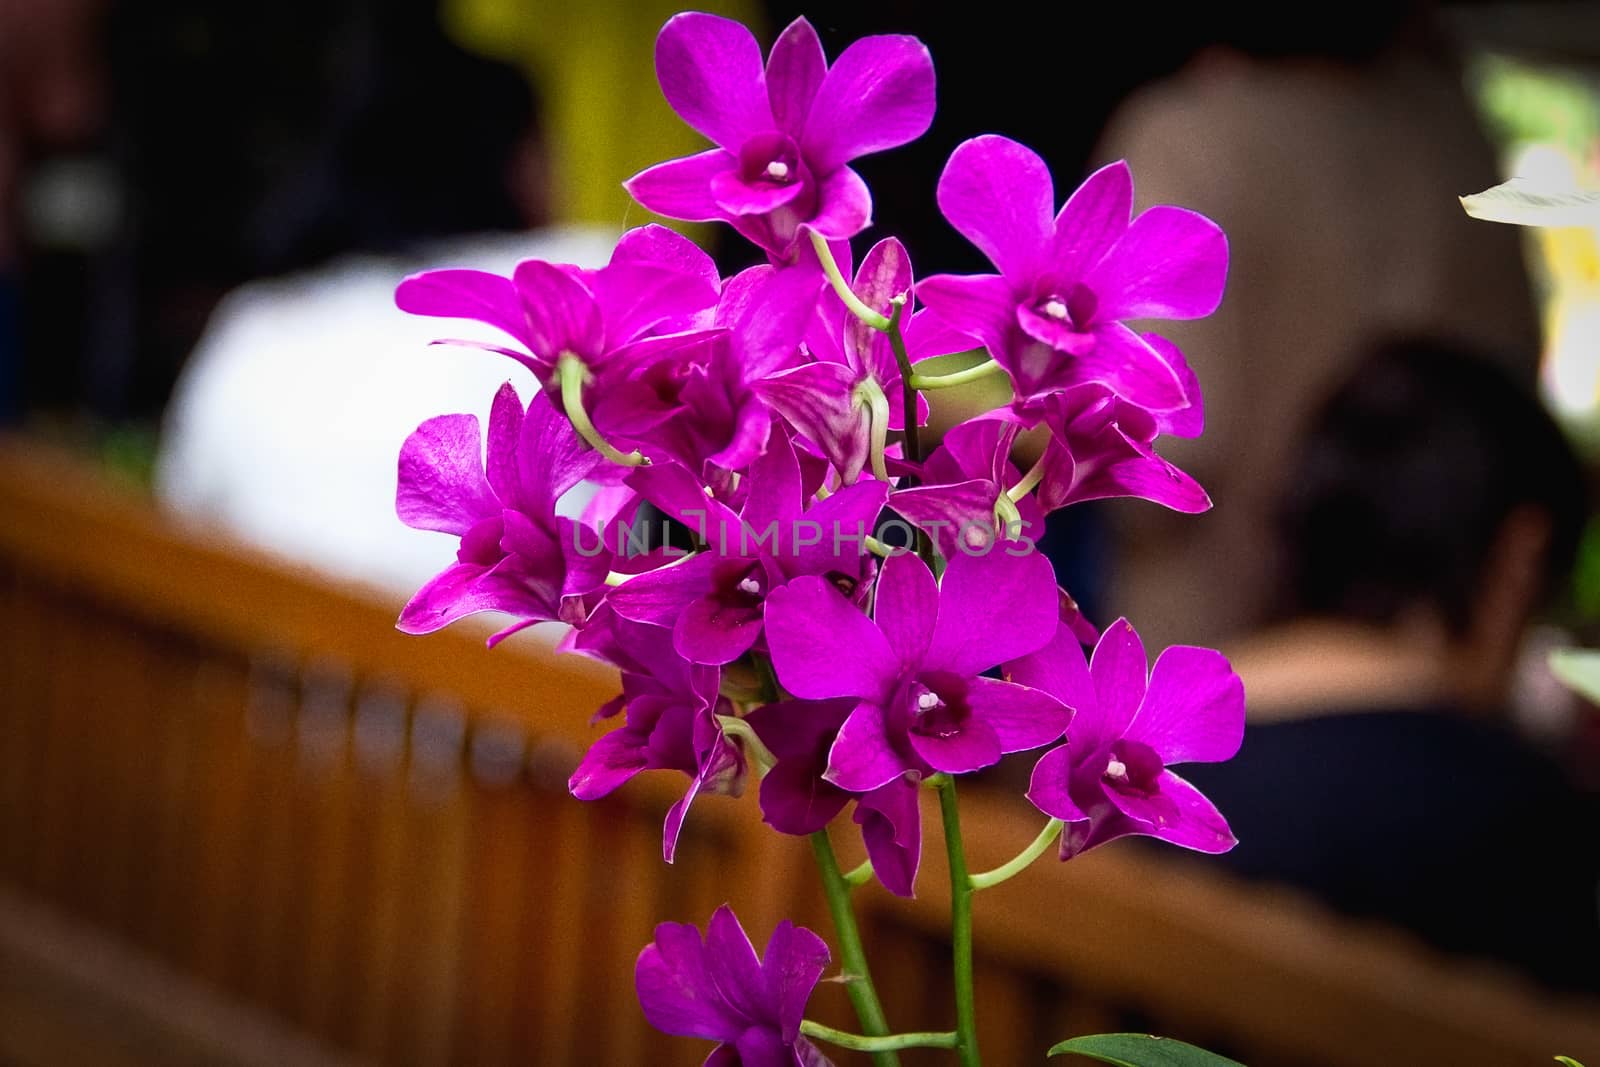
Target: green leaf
x,y
1141,1050
1568,1061
1579,670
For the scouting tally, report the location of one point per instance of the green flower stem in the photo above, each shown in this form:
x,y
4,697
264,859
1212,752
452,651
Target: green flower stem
x,y
1034,476
842,287
572,376
886,1043
1014,867
960,377
852,957
878,421
960,926
861,875
908,391
735,727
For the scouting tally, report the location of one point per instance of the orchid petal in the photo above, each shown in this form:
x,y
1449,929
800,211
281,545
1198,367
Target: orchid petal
x,y
998,195
844,206
681,188
863,758
464,294
795,68
1171,264
1022,718
1177,813
1092,220
992,608
441,481
1193,710
891,827
1050,787
562,315
972,747
981,306
711,73
1119,670
905,605
823,646
878,94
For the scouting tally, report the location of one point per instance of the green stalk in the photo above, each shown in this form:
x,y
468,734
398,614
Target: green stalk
x,y
842,287
852,957
887,1043
960,927
960,377
572,376
1020,863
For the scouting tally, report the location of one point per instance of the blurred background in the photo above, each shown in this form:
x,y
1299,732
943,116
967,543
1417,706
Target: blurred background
x,y
243,821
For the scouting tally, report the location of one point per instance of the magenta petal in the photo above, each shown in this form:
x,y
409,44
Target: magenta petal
x,y
675,989
844,519
1060,670
551,456
982,306
562,315
1193,710
823,646
791,966
1122,361
774,491
992,608
656,245
1094,217
1050,787
731,962
862,757
506,419
1171,264
1178,813
891,827
844,206
711,73
973,747
878,94
795,68
463,294
1119,670
610,762
816,400
998,194
951,513
1022,718
738,197
796,800
658,597
677,492
710,632
681,188
637,298
1188,420
1147,476
441,481
464,589
905,604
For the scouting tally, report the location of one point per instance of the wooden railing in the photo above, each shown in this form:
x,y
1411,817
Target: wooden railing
x,y
314,833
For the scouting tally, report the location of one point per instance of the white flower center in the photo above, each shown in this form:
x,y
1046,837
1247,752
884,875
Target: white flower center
x,y
1115,768
779,170
1056,309
927,701
750,585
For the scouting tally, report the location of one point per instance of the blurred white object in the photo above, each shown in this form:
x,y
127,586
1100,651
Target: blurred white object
x,y
286,424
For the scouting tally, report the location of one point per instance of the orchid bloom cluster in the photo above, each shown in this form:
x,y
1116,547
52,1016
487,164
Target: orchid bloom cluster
x,y
843,617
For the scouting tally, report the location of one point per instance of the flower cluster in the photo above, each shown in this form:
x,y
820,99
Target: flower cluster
x,y
840,615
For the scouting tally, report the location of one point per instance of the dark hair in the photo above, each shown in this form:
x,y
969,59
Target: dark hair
x,y
1405,479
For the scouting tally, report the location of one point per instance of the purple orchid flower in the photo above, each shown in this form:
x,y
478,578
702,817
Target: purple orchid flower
x,y
1101,446
516,555
1111,778
1053,315
719,990
643,306
914,668
785,133
797,799
671,724
959,502
824,399
714,602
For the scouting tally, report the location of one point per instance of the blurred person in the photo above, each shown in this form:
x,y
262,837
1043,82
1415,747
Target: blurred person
x,y
287,419
1330,143
1431,510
